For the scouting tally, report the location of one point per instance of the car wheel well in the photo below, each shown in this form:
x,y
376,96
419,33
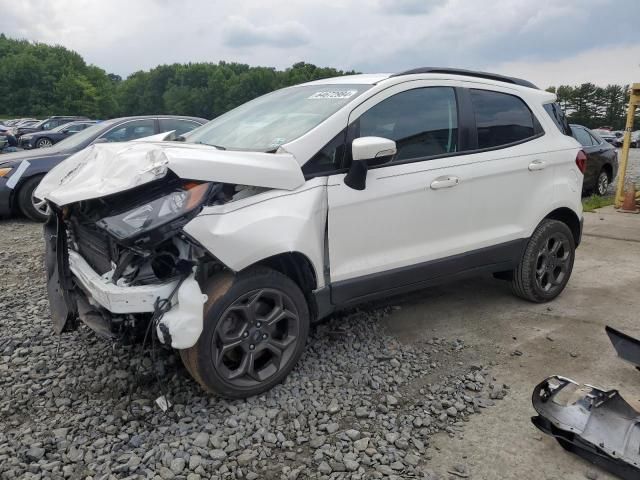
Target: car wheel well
x,y
298,268
609,170
570,219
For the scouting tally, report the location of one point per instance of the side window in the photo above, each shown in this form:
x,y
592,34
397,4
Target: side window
x,y
557,115
76,128
49,125
423,122
179,125
131,131
582,136
596,139
501,119
329,158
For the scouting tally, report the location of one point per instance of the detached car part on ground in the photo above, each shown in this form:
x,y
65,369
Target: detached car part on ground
x,y
230,244
598,425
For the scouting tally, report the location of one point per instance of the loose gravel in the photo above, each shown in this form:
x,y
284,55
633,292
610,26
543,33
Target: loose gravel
x,y
359,405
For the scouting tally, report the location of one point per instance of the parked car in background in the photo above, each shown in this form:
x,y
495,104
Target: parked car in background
x,y
635,140
48,138
21,172
606,135
46,124
18,121
602,160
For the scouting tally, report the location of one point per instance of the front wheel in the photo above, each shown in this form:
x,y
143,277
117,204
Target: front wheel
x,y
547,263
255,330
32,207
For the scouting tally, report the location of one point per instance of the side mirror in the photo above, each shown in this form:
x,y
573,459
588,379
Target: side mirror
x,y
100,140
366,150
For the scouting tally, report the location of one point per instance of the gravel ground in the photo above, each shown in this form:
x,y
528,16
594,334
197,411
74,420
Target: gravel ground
x,y
359,405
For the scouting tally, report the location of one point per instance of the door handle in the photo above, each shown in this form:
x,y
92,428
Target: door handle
x,y
447,181
537,165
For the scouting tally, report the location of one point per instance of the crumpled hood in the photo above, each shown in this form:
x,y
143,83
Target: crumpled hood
x,y
107,168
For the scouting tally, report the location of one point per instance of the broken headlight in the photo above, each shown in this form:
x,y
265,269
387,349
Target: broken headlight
x,y
156,213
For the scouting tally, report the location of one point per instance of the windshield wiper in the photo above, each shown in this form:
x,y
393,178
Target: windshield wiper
x,y
219,147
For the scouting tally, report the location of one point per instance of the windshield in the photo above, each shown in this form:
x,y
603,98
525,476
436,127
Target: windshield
x,y
85,135
277,118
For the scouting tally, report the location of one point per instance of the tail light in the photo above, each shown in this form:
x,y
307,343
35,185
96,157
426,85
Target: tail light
x,y
581,161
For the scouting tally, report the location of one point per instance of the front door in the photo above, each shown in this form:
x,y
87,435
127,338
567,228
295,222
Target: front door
x,y
413,215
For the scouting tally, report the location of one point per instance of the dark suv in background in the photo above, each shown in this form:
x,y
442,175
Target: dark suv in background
x,y
46,124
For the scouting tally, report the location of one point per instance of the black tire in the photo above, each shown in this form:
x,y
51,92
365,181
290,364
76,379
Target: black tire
x,y
248,364
541,275
602,183
44,142
26,201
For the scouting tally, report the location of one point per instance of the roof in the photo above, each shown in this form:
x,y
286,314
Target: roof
x,y
469,73
373,78
362,78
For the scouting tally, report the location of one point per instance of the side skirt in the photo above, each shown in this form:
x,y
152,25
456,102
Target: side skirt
x,y
498,258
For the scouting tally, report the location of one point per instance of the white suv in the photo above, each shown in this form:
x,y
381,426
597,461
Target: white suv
x,y
229,243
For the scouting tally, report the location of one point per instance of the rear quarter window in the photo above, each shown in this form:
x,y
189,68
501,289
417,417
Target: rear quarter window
x,y
557,115
502,119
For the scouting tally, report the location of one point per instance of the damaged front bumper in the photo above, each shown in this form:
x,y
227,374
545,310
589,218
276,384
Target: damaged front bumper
x,y
595,424
77,292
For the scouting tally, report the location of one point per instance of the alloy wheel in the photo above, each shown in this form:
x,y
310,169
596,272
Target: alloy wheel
x,y
603,184
255,337
44,143
40,205
553,263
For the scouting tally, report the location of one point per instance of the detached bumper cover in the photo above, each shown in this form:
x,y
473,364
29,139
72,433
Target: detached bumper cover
x,y
180,327
117,299
597,425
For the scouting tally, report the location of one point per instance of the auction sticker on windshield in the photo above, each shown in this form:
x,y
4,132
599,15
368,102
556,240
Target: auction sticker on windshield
x,y
333,95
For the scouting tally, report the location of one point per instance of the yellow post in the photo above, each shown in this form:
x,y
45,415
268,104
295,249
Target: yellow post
x,y
634,101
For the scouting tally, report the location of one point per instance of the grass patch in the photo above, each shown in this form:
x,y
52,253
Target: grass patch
x,y
593,202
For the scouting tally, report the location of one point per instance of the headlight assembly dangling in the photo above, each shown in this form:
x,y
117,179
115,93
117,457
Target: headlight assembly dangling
x,y
157,212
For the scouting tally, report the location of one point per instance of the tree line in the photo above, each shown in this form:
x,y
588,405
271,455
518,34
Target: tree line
x,y
38,80
594,106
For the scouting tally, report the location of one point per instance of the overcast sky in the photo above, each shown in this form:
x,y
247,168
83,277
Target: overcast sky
x,y
549,42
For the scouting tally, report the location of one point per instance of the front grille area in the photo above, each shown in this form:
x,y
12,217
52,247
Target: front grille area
x,y
94,246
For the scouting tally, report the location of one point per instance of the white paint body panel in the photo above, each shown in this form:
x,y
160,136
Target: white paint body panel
x,y
185,320
398,220
242,233
105,169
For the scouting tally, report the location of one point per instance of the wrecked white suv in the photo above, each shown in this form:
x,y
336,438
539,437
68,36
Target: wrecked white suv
x,y
231,242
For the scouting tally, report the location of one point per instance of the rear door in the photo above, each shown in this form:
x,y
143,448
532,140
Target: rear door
x,y
414,210
512,172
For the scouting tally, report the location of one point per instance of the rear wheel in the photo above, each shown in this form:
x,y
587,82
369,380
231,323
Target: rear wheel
x,y
602,183
546,264
44,143
32,207
255,329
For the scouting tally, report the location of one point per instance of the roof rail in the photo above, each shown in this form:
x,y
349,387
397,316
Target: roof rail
x,y
468,73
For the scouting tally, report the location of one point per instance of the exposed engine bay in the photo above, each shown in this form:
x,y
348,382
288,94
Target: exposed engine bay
x,y
128,262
